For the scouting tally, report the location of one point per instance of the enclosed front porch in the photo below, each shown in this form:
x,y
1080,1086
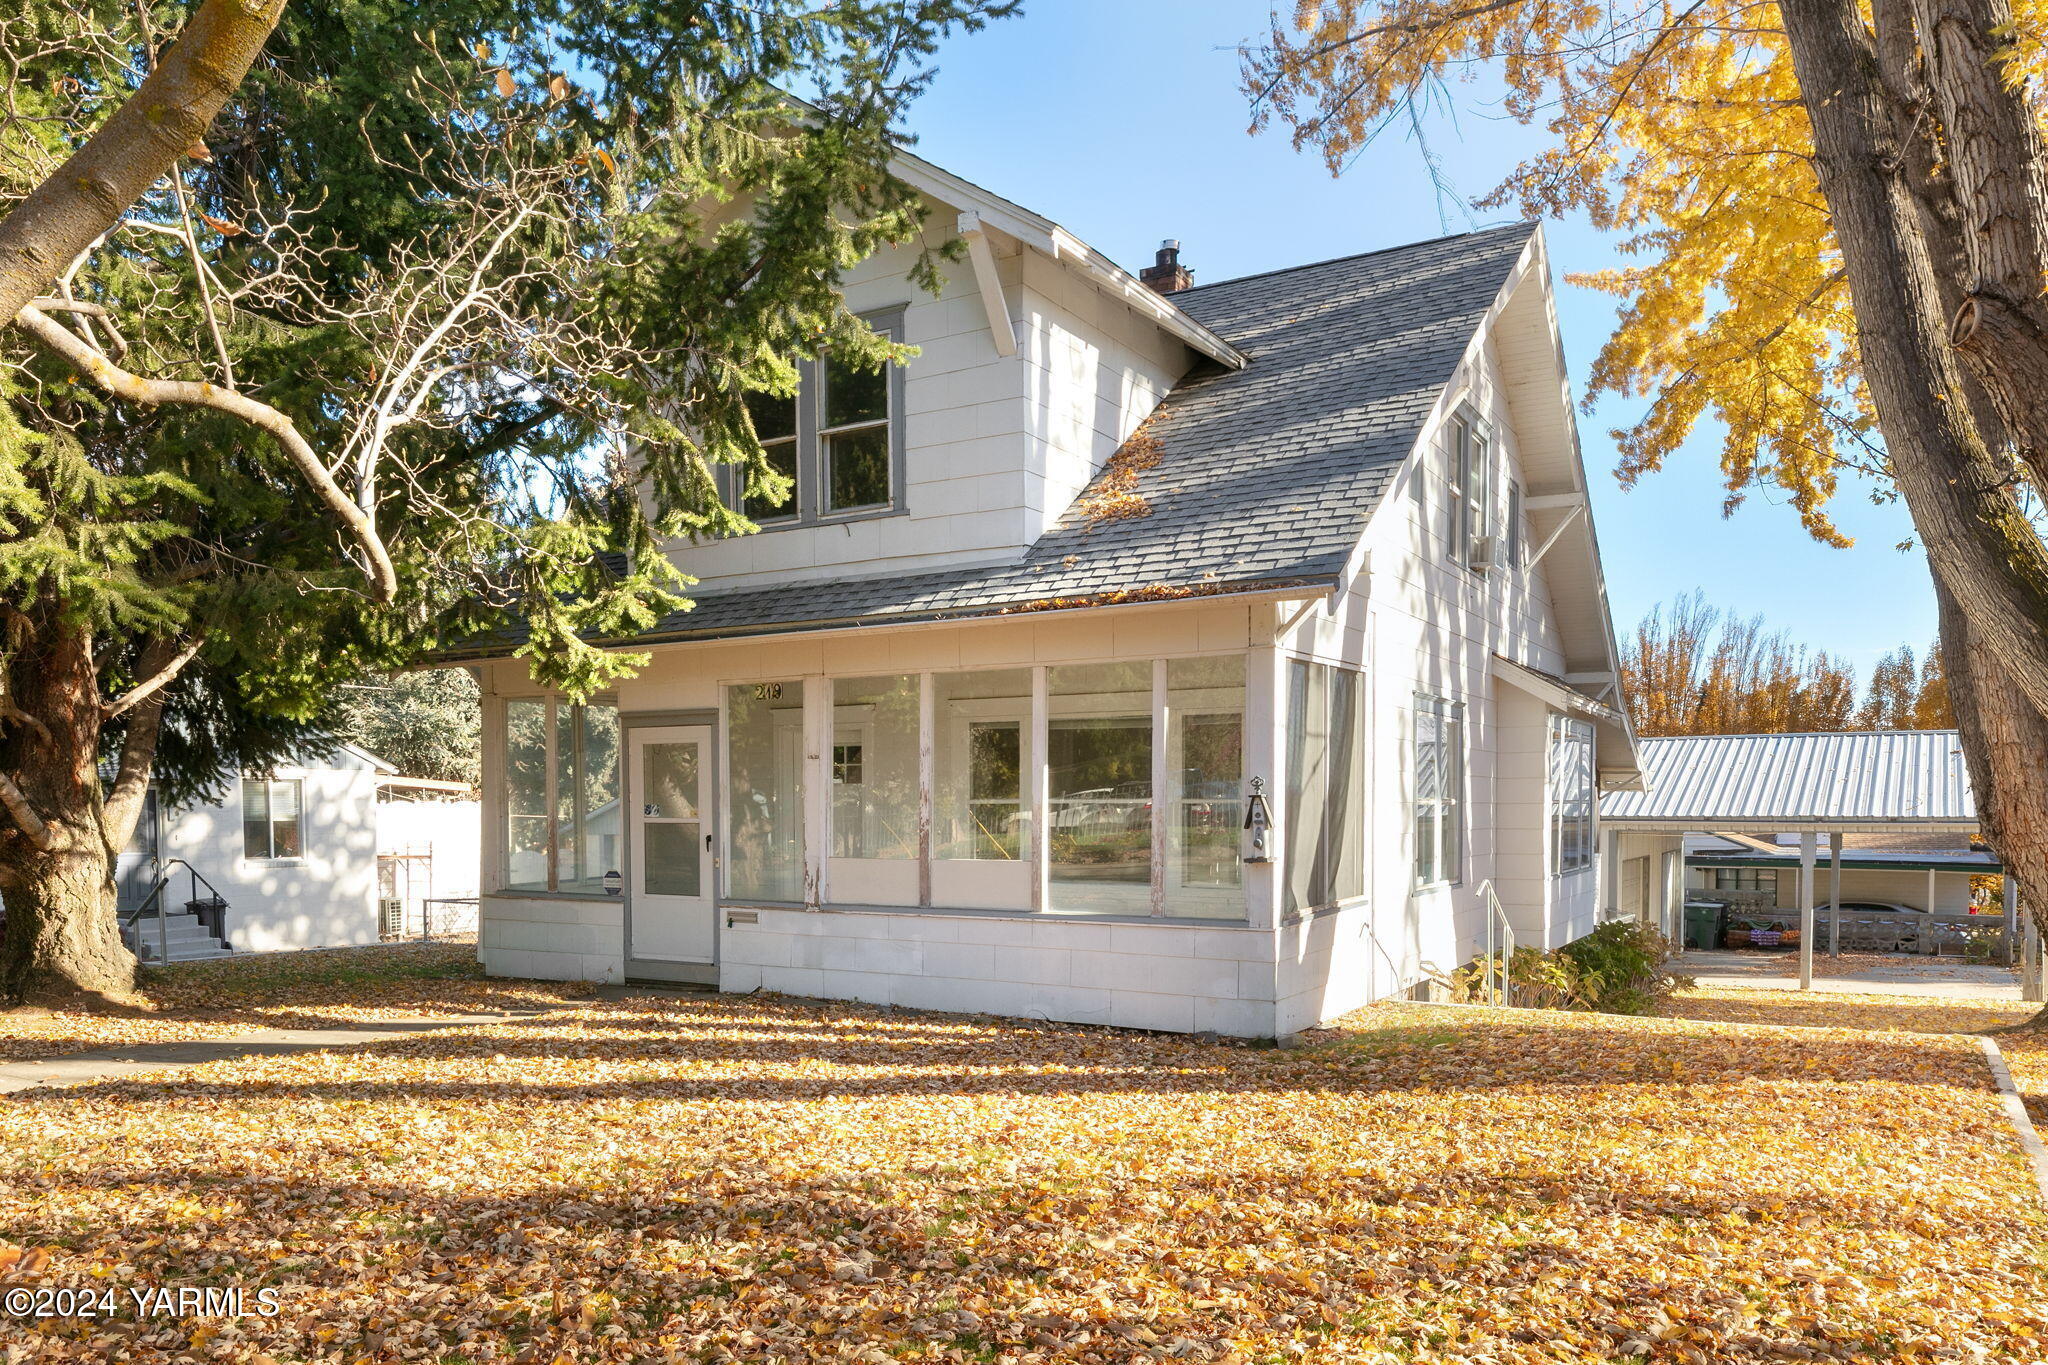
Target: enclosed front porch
x,y
1106,816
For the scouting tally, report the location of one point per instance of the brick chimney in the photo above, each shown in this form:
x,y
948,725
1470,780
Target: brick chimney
x,y
1167,275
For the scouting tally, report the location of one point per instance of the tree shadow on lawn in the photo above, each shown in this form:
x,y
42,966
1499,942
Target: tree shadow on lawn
x,y
880,1054
685,1240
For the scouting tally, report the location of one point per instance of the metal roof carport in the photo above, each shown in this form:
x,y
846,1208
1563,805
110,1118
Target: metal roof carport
x,y
1837,783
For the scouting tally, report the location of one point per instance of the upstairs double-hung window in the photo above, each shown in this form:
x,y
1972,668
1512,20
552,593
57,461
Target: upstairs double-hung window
x,y
775,424
854,438
839,441
1470,469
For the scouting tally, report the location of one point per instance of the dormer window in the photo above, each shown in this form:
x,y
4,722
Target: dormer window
x,y
840,442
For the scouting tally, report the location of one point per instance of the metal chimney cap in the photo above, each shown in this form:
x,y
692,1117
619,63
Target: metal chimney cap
x,y
1170,244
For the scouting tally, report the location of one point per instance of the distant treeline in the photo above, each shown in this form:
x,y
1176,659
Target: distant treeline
x,y
1697,670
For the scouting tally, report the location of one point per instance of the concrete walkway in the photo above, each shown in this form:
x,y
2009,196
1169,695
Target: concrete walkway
x,y
1943,977
134,1059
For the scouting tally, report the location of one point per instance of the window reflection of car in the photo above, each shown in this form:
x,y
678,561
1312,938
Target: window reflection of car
x,y
1125,806
1876,908
1204,801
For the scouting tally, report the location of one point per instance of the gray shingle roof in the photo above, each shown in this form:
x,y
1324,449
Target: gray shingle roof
x,y
1267,473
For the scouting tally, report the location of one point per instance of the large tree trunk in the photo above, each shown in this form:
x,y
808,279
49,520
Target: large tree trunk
x,y
1997,171
2005,740
1960,492
134,149
62,939
1955,418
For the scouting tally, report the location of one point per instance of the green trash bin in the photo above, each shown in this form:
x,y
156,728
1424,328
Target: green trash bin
x,y
1702,926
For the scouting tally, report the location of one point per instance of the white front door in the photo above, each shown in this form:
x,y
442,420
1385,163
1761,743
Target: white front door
x,y
668,786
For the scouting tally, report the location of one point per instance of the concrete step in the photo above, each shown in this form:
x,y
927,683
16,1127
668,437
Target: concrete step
x,y
188,952
180,938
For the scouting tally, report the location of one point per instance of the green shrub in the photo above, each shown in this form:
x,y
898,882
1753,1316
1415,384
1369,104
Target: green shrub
x,y
1616,969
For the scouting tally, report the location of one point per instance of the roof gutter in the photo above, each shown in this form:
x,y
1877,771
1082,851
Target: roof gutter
x,y
1281,590
1778,824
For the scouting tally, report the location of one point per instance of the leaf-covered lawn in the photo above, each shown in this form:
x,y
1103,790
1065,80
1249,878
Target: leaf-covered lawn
x,y
326,989
2026,1052
764,1180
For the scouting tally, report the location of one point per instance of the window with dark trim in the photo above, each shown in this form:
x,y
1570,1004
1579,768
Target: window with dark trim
x,y
775,423
839,441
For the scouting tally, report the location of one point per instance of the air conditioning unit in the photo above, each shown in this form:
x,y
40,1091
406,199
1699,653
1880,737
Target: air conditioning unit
x,y
391,917
1485,552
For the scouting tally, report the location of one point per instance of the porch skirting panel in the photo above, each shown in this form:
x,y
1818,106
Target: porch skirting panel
x,y
1174,978
552,940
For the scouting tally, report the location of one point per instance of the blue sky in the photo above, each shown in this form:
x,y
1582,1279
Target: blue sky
x,y
1122,121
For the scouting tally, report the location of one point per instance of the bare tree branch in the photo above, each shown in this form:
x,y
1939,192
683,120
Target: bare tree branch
x,y
169,111
91,310
135,388
154,681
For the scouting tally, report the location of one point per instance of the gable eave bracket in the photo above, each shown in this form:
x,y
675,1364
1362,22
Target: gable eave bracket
x,y
983,259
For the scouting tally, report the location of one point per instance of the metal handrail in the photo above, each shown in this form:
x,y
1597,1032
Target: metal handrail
x,y
196,879
1500,948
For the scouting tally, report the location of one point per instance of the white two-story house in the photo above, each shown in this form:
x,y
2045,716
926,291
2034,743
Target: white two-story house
x,y
1185,658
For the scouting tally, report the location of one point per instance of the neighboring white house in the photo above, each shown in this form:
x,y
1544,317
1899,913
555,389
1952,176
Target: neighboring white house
x,y
292,857
978,721
429,850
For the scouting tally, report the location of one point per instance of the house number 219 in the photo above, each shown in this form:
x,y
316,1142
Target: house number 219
x,y
767,691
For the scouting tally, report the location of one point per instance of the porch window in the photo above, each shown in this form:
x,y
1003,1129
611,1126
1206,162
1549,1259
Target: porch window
x,y
875,790
1571,794
1205,786
874,767
270,817
1439,790
1099,781
1326,805
562,822
981,721
764,791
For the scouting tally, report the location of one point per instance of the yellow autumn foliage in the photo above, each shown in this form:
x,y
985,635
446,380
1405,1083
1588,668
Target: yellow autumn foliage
x,y
1677,127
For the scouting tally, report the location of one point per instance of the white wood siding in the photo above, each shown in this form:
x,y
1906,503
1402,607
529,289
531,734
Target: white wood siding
x,y
996,447
1418,622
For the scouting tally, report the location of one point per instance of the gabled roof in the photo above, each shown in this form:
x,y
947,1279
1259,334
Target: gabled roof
x,y
1049,239
1266,475
1823,782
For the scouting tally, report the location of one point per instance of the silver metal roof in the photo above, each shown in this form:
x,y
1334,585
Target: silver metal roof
x,y
1869,779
